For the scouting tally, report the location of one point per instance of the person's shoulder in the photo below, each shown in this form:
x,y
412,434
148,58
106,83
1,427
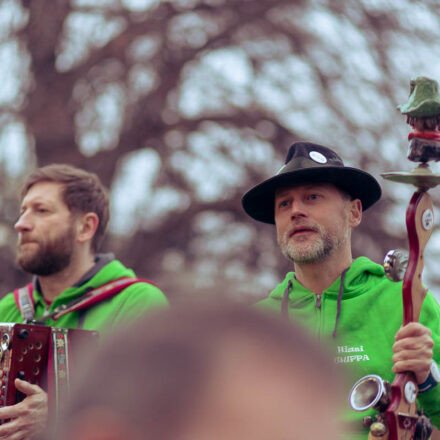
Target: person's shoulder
x,y
144,291
365,272
8,309
141,291
126,306
114,269
365,265
273,300
268,304
7,300
278,291
144,286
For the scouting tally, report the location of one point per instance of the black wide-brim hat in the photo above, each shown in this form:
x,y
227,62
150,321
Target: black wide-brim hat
x,y
310,163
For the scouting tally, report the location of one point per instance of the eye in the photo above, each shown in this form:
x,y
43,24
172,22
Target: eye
x,y
314,196
284,204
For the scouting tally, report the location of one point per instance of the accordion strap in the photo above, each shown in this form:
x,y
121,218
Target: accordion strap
x,y
24,299
88,299
59,364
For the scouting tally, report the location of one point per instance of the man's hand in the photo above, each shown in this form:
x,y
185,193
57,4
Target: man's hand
x,y
413,350
27,418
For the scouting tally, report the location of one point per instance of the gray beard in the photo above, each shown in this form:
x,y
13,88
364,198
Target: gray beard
x,y
323,246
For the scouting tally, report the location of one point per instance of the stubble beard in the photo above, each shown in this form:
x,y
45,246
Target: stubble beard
x,y
320,248
50,257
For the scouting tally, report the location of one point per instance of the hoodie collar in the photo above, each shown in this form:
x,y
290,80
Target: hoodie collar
x,y
354,284
100,261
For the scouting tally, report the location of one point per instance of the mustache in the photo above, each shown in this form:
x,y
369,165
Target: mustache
x,y
25,240
301,225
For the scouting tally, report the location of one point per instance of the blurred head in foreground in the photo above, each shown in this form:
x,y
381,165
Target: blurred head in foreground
x,y
206,372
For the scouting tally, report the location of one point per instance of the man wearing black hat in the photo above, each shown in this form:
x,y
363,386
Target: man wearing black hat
x,y
315,202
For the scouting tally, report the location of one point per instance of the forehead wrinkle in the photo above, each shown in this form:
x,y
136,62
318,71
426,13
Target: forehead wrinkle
x,y
45,191
53,201
38,200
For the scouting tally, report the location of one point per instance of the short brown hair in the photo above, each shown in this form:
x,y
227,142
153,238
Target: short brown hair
x,y
82,192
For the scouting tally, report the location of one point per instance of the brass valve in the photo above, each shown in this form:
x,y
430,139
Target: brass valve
x,y
378,429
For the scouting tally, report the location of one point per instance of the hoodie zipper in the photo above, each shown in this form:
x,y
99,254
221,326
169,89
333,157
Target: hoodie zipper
x,y
318,300
319,316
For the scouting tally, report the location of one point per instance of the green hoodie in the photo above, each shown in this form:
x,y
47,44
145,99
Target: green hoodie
x,y
124,307
371,314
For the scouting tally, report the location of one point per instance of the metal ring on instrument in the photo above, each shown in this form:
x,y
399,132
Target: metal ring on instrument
x,y
369,392
5,342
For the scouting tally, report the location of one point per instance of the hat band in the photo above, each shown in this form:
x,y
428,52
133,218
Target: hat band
x,y
300,163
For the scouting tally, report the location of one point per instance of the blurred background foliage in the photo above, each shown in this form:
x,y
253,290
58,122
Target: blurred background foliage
x,y
180,106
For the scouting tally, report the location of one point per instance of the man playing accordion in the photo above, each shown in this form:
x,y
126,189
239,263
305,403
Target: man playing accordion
x,y
63,216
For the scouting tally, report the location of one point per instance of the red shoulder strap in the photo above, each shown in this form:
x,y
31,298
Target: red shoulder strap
x,y
94,296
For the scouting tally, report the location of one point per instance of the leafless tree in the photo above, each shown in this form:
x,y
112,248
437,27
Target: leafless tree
x,y
182,105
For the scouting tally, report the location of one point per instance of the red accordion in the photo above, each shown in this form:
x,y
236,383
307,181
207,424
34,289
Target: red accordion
x,y
41,355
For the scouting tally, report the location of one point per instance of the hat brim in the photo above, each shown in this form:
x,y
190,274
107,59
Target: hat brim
x,y
426,108
259,202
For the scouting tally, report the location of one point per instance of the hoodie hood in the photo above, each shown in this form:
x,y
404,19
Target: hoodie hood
x,y
357,279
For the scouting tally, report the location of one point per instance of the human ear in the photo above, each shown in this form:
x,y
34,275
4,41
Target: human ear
x,y
86,227
355,213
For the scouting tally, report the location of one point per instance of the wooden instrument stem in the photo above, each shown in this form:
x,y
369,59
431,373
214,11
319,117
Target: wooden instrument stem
x,y
419,223
401,414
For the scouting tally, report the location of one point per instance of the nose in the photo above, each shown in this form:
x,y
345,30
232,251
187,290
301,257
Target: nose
x,y
297,210
23,223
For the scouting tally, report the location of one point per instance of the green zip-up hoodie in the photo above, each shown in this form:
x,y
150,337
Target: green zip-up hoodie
x,y
371,314
124,307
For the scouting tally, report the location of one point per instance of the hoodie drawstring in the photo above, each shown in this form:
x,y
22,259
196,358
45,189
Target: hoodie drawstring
x,y
285,302
338,307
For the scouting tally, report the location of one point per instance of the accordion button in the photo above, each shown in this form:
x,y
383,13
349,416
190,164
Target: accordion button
x,y
23,333
21,375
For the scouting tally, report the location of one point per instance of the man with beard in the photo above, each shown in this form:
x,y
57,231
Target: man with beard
x,y
315,202
63,216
